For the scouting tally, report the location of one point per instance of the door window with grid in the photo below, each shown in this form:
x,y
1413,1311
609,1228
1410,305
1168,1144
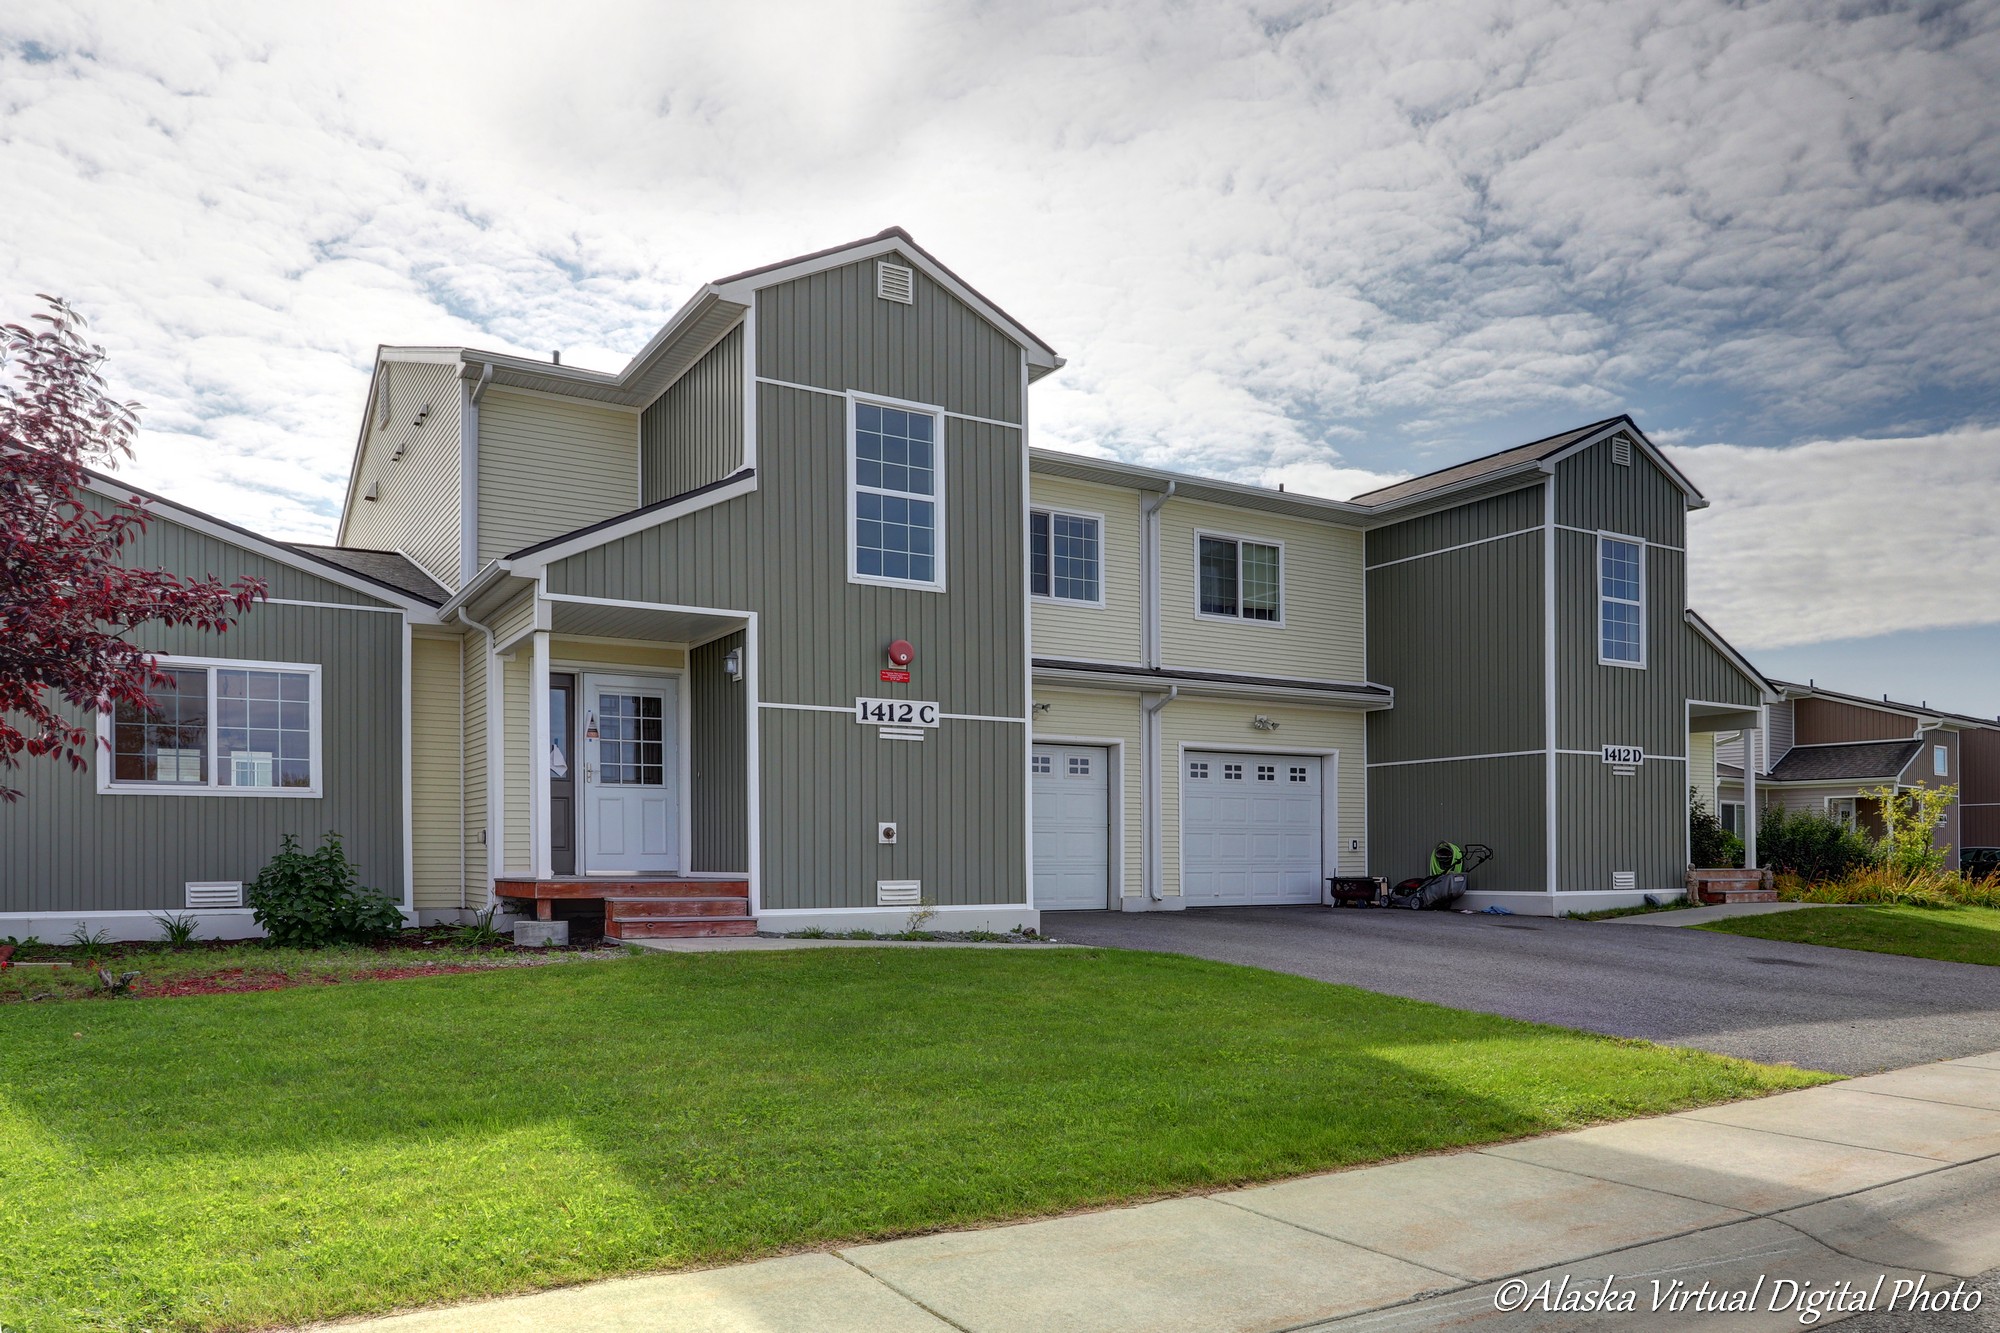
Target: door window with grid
x,y
631,740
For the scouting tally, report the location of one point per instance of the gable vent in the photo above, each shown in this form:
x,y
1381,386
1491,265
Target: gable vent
x,y
215,893
893,282
1621,450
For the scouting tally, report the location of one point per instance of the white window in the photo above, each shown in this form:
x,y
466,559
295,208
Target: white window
x,y
1065,556
1840,808
1731,813
1239,579
1198,769
897,480
1621,602
1079,766
1941,760
217,728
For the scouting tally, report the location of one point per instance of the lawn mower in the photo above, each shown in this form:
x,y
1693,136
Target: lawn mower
x,y
1450,864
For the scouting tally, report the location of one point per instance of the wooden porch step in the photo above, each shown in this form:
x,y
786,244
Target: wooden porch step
x,y
672,928
1720,895
636,909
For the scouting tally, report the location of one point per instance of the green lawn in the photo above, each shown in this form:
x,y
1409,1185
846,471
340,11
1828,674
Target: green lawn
x,y
1955,935
237,1160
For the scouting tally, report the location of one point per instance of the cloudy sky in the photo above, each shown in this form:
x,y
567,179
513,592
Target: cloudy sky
x,y
1317,244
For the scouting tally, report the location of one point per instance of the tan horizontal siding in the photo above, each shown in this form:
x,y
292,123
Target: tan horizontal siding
x,y
473,659
418,511
1110,633
437,796
1321,597
548,466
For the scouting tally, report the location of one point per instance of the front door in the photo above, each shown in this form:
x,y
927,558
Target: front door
x,y
631,797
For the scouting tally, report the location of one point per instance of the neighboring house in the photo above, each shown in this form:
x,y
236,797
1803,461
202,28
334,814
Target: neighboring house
x,y
1824,750
641,637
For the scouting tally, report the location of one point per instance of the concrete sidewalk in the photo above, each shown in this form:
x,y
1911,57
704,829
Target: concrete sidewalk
x,y
1893,1177
1701,916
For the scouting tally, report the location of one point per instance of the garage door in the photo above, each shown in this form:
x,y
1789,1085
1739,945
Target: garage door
x,y
1250,829
1072,790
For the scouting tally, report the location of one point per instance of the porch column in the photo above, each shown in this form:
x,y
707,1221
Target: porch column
x,y
1750,799
538,756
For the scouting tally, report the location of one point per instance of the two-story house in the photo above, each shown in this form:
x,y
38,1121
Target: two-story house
x,y
1823,750
785,624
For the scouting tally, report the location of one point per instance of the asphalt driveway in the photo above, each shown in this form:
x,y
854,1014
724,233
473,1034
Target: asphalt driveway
x,y
1834,1009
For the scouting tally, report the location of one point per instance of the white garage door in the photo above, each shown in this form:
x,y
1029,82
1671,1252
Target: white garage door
x,y
1072,827
1250,829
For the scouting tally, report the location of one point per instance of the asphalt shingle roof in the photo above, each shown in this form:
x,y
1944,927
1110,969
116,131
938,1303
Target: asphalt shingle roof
x,y
1861,762
392,569
1479,467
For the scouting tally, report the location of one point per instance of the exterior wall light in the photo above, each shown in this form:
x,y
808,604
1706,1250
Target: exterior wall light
x,y
1263,723
732,663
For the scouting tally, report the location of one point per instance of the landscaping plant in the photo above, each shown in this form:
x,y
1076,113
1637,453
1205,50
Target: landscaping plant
x,y
311,899
177,930
1814,847
1912,819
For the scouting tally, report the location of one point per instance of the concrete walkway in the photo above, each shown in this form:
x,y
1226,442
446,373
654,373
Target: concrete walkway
x,y
1698,916
1893,1177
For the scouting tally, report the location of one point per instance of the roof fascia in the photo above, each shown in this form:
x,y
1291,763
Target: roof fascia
x,y
1131,476
1356,700
225,531
743,290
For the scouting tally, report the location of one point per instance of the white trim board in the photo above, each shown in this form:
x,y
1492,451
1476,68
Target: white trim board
x,y
1447,550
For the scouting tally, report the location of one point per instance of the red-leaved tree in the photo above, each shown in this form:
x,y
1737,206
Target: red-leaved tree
x,y
67,602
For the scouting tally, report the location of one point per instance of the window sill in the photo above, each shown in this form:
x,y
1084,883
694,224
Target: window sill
x,y
1047,600
1215,619
908,585
240,793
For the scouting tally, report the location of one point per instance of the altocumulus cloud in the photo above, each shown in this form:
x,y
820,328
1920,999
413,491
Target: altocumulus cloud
x,y
1318,244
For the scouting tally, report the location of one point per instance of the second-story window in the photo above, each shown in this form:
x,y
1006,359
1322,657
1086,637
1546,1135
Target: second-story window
x,y
1239,579
898,488
1621,602
1065,559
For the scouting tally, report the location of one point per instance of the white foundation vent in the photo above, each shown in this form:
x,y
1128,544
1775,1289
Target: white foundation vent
x,y
1624,881
893,282
1621,451
215,893
899,892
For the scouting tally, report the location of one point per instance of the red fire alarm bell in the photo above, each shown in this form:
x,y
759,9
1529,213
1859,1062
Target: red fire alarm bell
x,y
901,653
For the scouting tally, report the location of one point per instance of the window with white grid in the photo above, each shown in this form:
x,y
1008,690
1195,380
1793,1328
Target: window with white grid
x,y
898,489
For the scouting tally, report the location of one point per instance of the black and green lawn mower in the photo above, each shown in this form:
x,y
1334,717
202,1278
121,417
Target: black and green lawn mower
x,y
1445,885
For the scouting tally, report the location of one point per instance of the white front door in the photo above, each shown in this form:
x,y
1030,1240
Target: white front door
x,y
631,775
1072,786
1251,828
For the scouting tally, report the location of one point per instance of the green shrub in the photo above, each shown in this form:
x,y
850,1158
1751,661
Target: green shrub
x,y
177,930
1814,847
1912,819
311,899
1710,846
1884,885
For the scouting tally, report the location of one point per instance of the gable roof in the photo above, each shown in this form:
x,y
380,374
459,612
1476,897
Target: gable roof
x,y
392,569
1863,761
1535,456
286,553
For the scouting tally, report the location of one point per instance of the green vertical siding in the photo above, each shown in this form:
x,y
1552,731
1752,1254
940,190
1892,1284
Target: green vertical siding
x,y
1636,499
1477,521
693,434
958,797
831,330
1607,823
719,794
1413,807
64,847
782,553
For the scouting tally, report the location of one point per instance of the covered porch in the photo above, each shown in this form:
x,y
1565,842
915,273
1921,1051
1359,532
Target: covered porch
x,y
621,762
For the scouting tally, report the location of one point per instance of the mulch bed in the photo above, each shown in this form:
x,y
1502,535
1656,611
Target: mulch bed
x,y
235,980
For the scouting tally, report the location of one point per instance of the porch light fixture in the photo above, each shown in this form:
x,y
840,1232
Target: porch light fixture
x,y
1263,723
732,663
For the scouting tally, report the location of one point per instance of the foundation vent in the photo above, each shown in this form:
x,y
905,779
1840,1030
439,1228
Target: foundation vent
x,y
893,282
899,892
213,893
1624,881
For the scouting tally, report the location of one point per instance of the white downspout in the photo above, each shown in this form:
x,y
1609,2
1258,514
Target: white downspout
x,y
1149,744
495,757
1149,574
